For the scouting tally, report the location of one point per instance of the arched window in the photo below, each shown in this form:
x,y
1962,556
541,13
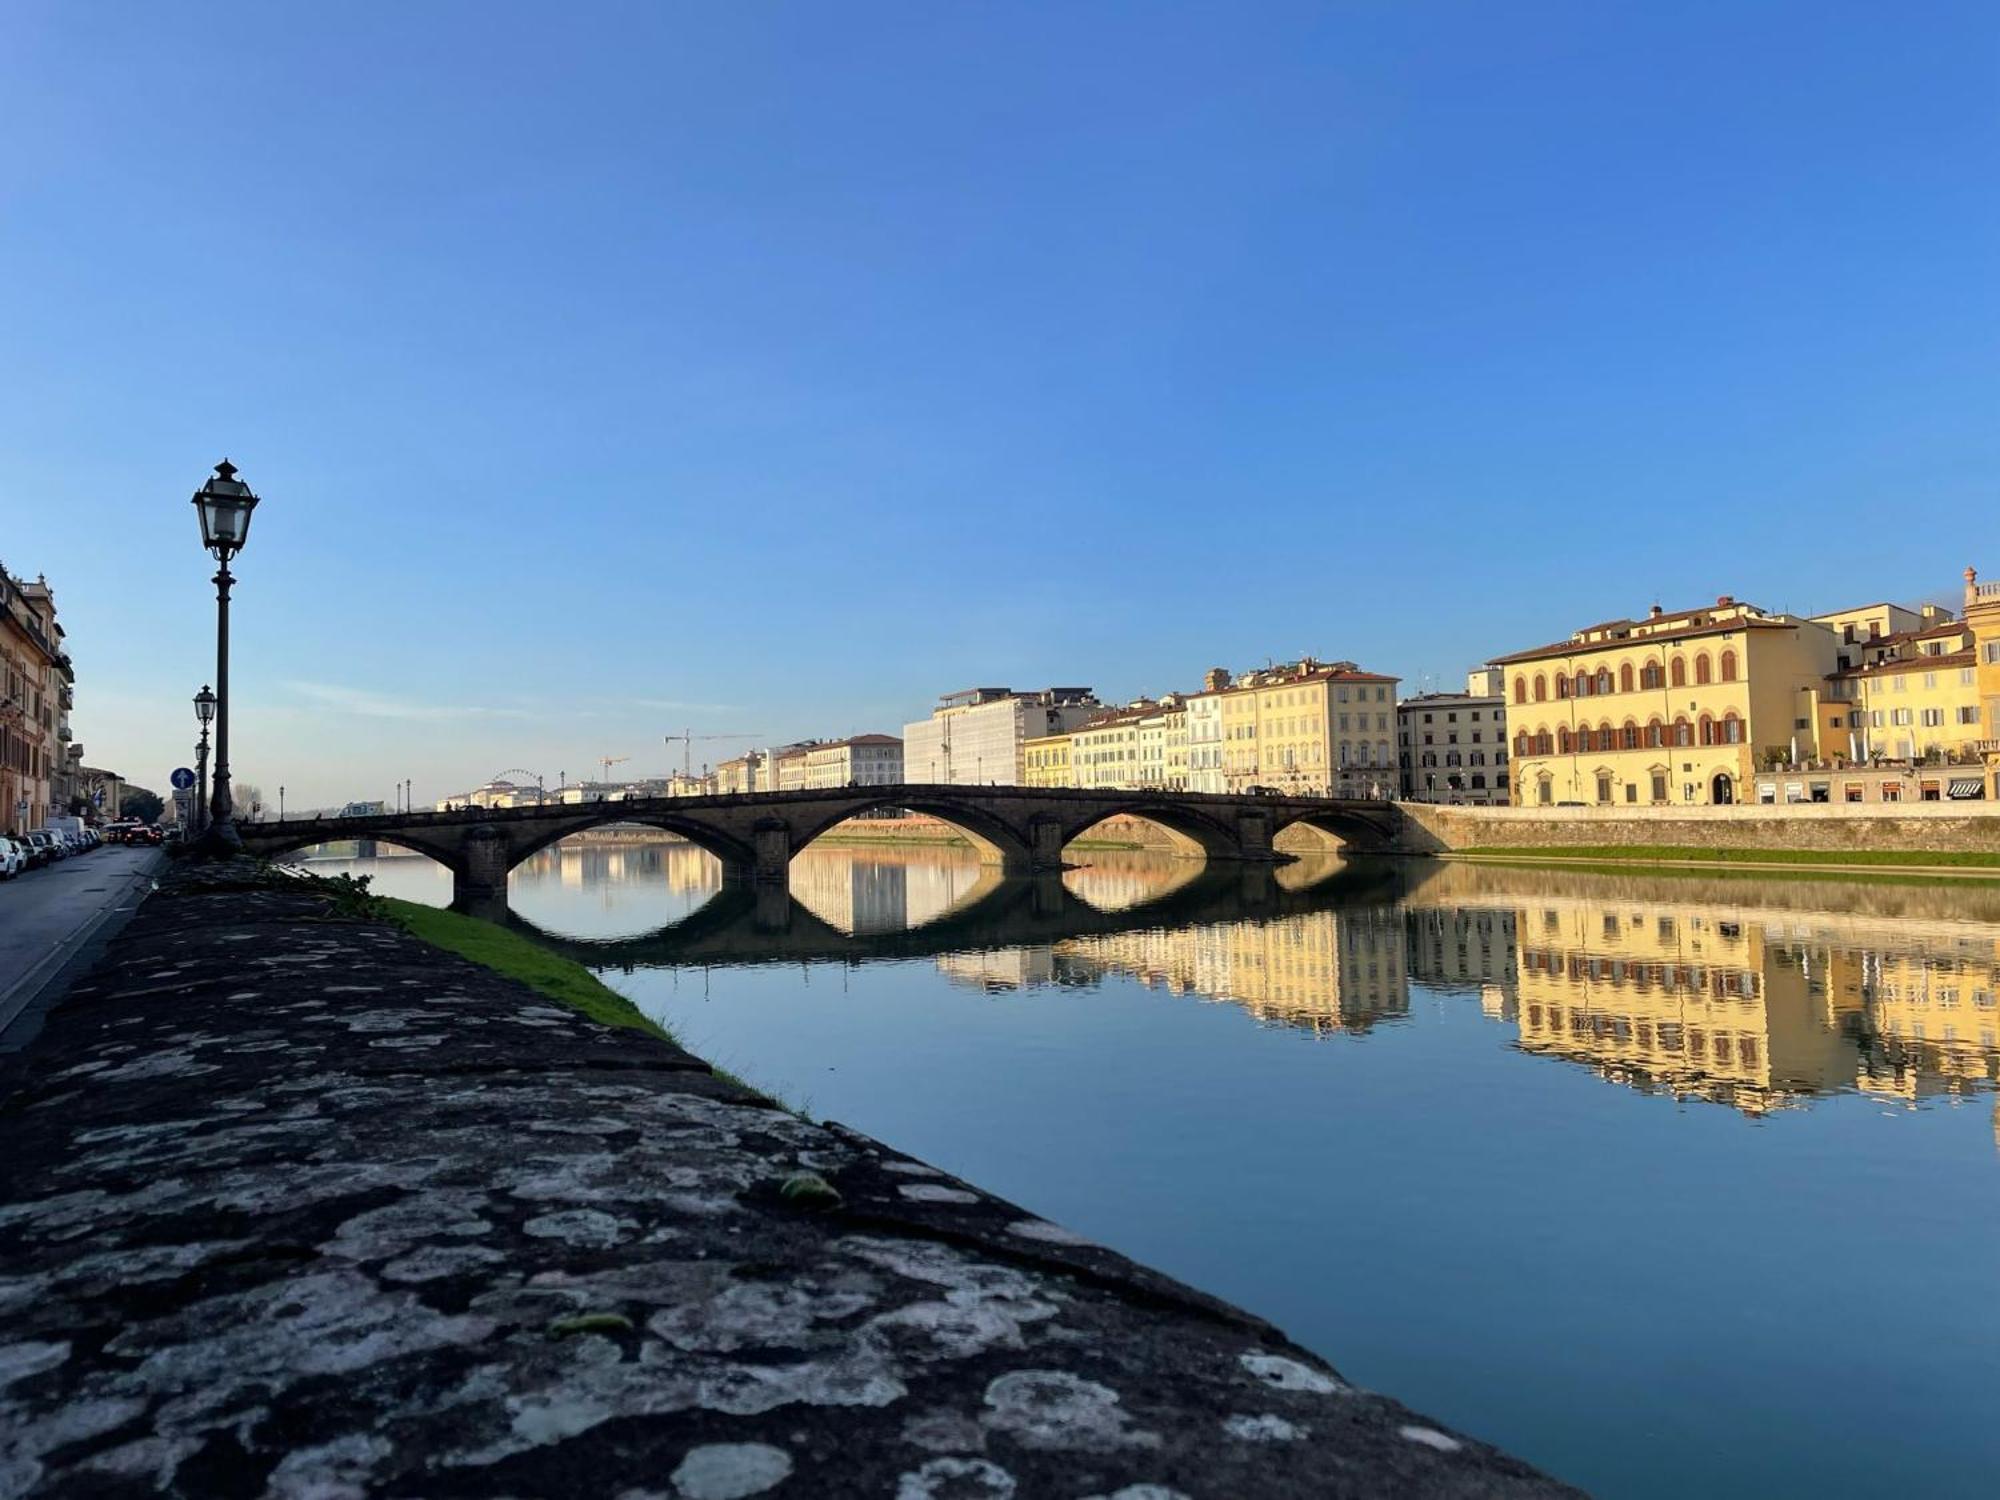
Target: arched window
x,y
1680,672
1703,671
1521,743
1541,688
1521,689
1732,729
1683,731
1629,738
1563,743
1656,734
1729,666
1707,729
1625,678
1603,683
1650,676
1544,742
1562,684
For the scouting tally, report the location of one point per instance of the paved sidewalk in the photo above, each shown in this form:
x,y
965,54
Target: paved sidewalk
x,y
295,1206
48,915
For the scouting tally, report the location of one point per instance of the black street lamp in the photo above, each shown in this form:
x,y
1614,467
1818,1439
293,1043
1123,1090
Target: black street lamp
x,y
204,715
224,504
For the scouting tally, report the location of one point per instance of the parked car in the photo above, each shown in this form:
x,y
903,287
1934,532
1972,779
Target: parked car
x,y
41,847
13,859
145,833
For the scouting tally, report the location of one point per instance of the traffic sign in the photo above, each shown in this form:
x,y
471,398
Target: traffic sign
x,y
183,779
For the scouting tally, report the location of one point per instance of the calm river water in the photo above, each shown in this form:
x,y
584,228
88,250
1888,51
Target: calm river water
x,y
1675,1186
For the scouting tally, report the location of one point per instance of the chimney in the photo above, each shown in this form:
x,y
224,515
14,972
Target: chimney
x,y
1657,612
1723,601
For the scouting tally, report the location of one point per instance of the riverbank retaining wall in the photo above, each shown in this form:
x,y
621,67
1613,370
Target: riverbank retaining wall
x,y
1831,827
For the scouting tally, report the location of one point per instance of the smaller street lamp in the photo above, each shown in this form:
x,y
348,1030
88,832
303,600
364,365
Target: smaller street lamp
x,y
224,504
204,715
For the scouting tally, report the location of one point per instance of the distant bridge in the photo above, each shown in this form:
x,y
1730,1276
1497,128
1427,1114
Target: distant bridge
x,y
1022,830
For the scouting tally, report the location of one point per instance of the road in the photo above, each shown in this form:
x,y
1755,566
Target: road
x,y
50,917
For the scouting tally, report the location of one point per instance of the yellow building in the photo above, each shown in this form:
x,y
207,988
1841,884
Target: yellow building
x,y
1046,761
1910,696
1678,707
1982,614
1310,728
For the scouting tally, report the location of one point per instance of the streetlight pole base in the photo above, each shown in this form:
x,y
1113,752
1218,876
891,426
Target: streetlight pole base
x,y
219,841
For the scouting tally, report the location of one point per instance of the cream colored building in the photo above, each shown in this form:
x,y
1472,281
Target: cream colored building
x,y
1452,747
1204,735
862,760
978,737
740,775
1309,729
1676,708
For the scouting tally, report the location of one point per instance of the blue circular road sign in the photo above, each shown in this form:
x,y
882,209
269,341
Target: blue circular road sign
x,y
183,780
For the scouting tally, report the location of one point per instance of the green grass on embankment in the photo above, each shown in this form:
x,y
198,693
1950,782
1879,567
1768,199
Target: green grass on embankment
x,y
1681,854
509,953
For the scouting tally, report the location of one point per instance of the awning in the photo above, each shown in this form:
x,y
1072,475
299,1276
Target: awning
x,y
1966,787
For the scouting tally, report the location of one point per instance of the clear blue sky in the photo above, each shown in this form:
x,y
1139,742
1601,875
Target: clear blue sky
x,y
609,367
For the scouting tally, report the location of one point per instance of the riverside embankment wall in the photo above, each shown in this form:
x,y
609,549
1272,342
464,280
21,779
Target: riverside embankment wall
x,y
294,1204
1832,827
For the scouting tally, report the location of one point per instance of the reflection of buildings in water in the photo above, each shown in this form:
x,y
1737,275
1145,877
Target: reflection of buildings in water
x,y
1758,1009
1116,880
1000,968
853,895
1460,947
1336,970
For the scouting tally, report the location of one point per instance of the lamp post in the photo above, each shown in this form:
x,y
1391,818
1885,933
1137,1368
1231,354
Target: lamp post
x,y
224,505
204,715
281,802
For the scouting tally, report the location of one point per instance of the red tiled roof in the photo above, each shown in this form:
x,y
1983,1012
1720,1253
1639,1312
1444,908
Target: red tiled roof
x,y
1625,643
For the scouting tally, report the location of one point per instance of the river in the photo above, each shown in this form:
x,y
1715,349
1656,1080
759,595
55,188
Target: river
x,y
1672,1185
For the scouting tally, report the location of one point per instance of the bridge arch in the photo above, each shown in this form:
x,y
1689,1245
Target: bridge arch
x,y
734,854
1196,830
997,841
440,853
1352,831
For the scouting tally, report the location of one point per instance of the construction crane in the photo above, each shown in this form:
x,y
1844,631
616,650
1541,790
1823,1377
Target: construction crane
x,y
687,737
607,762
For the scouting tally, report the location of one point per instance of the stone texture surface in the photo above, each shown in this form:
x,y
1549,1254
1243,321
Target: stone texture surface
x,y
297,1206
1938,827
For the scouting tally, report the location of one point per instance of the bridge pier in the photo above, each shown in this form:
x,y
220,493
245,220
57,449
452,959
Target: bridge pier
x,y
771,841
479,878
1045,844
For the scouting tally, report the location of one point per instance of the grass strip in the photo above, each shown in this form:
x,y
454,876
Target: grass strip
x,y
563,981
509,953
1681,853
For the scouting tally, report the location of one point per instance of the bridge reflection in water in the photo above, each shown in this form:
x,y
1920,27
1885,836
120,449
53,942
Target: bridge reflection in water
x,y
1758,995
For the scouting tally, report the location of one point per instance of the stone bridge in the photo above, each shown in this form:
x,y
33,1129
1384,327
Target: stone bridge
x,y
1021,830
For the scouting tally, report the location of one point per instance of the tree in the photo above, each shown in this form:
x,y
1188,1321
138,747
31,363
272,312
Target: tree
x,y
247,798
141,804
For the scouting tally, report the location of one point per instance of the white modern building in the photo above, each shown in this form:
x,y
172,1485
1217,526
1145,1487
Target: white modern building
x,y
974,738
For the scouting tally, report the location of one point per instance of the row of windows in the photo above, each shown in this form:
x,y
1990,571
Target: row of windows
x,y
1727,730
1898,682
1649,678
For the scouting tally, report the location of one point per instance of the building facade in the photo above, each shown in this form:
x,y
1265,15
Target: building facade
x,y
1452,747
36,687
863,760
1982,615
978,737
1674,709
1046,761
1308,729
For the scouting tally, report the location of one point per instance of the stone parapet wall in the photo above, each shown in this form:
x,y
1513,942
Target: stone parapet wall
x,y
1937,827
